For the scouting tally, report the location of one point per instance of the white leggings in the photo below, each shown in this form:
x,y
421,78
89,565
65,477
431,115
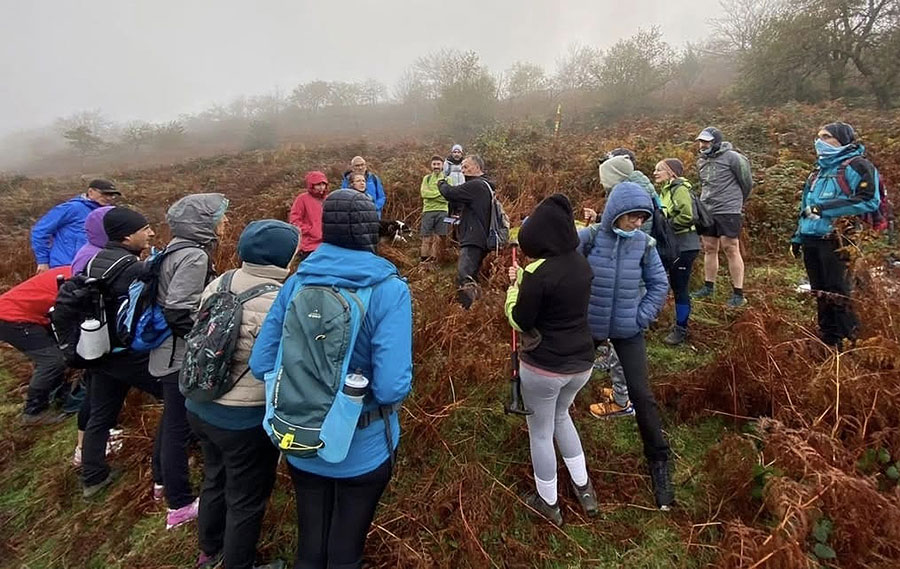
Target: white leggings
x,y
549,397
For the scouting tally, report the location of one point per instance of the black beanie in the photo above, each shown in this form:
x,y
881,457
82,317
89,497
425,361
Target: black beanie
x,y
842,131
268,242
349,220
120,222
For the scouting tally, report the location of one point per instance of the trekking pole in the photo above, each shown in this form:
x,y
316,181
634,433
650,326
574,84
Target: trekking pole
x,y
516,404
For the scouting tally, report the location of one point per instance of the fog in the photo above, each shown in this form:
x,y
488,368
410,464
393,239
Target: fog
x,y
153,60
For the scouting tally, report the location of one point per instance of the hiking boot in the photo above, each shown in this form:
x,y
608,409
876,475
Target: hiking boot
x,y
610,409
587,497
210,561
607,394
704,291
182,515
676,336
736,301
662,484
46,417
552,513
94,489
159,492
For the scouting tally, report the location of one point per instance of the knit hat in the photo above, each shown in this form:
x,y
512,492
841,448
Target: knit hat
x,y
615,170
120,222
456,147
268,242
673,166
622,151
842,131
349,220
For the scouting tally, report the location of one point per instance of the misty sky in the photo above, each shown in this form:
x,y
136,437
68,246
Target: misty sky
x,y
154,59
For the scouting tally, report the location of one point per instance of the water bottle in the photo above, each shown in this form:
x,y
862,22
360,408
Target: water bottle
x,y
340,422
93,340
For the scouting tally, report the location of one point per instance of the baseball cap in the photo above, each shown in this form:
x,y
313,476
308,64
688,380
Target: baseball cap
x,y
706,135
104,187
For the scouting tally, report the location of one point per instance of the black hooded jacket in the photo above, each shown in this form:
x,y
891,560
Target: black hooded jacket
x,y
554,290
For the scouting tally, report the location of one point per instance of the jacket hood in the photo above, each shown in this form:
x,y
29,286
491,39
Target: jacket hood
x,y
722,149
849,152
196,216
333,265
550,229
626,197
349,220
614,171
642,180
315,177
93,226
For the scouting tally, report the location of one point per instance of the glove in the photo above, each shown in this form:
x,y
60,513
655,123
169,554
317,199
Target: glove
x,y
796,251
812,212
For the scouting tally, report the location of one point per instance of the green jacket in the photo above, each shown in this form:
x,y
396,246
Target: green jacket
x,y
675,198
432,200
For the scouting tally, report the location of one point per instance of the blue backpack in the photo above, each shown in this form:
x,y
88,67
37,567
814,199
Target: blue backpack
x,y
140,322
320,328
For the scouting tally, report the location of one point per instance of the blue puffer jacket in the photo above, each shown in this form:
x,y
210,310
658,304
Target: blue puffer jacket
x,y
57,236
826,193
383,350
619,307
374,188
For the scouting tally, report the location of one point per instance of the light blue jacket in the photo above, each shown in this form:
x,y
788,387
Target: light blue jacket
x,y
57,236
620,307
826,194
383,349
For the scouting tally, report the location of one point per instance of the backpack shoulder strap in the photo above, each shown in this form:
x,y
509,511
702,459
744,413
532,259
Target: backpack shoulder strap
x,y
117,268
257,290
225,283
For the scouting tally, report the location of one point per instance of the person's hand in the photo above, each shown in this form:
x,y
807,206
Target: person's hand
x,y
796,251
42,267
590,215
513,273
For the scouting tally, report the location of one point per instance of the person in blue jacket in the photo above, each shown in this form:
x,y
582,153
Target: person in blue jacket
x,y
374,187
59,234
336,501
840,162
622,256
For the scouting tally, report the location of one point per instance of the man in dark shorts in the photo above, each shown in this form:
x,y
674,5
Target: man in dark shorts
x,y
725,182
434,211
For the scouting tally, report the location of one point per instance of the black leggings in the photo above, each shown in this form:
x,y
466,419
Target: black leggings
x,y
826,267
334,515
680,276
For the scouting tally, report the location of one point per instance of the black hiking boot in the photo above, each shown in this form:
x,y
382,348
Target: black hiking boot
x,y
587,497
552,513
662,484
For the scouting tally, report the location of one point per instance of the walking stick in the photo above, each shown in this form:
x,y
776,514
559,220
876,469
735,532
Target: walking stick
x,y
516,404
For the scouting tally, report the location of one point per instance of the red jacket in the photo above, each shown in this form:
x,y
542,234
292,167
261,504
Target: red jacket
x,y
306,213
31,300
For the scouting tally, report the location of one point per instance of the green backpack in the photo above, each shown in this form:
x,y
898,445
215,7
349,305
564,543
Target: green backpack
x,y
320,328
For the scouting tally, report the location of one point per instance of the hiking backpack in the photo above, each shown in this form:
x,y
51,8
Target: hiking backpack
x,y
498,232
82,299
206,372
879,219
140,322
664,234
321,324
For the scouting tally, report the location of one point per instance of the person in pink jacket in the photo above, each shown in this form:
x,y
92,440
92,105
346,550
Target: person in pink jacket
x,y
306,213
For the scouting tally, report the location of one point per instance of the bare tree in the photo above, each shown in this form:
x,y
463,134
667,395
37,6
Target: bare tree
x,y
577,70
742,22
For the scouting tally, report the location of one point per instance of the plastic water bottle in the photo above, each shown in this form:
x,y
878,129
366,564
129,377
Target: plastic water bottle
x,y
355,385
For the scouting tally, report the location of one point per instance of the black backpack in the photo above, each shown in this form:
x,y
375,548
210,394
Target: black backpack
x,y
81,298
206,372
664,234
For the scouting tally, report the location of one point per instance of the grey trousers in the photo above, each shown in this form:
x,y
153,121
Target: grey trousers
x,y
549,397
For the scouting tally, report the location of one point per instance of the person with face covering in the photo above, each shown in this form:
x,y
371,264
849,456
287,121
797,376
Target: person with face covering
x,y
725,185
823,202
336,501
547,302
628,290
196,222
306,213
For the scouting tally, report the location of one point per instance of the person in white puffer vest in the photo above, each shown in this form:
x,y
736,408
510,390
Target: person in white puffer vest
x,y
238,460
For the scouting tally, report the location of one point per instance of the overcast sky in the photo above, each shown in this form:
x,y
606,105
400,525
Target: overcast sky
x,y
154,59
